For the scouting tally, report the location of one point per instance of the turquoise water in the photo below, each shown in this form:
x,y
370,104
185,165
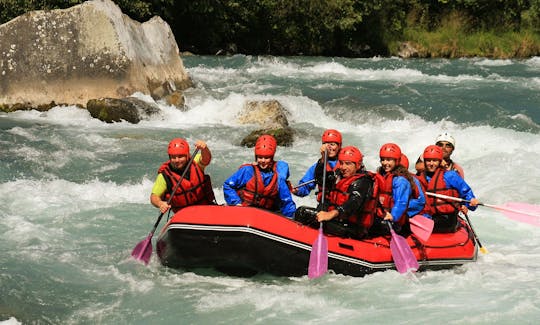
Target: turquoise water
x,y
75,195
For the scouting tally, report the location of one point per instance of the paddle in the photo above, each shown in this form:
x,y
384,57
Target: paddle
x,y
318,258
421,227
303,184
402,253
482,248
523,212
143,250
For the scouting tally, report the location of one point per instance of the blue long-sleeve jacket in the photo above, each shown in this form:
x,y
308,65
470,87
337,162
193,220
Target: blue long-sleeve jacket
x,y
401,191
310,175
416,205
240,178
453,180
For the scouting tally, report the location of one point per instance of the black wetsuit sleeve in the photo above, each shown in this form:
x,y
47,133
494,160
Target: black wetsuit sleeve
x,y
360,190
330,176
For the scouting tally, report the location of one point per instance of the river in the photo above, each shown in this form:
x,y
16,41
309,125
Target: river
x,y
75,192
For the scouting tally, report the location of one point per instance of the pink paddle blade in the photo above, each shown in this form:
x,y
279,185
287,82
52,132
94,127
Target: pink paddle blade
x,y
318,258
402,254
421,227
522,212
143,250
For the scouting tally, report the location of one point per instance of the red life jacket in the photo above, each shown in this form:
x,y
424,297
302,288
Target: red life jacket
x,y
254,193
329,169
437,185
415,190
386,198
192,189
340,194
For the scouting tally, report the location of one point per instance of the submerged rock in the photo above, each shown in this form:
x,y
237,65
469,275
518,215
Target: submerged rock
x,y
271,117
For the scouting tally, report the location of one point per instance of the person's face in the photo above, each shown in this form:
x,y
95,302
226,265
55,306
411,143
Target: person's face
x,y
333,149
419,167
347,168
447,148
264,162
178,161
432,164
388,164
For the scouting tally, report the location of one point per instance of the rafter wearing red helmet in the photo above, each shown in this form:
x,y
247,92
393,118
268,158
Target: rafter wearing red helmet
x,y
436,179
195,187
263,183
351,201
395,190
331,141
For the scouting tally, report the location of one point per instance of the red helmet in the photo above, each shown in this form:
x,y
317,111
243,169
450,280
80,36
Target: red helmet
x,y
351,153
404,161
178,146
265,146
433,152
390,150
331,135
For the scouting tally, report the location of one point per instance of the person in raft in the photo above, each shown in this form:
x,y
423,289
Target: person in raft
x,y
418,199
331,142
447,143
395,185
263,183
351,201
194,188
437,179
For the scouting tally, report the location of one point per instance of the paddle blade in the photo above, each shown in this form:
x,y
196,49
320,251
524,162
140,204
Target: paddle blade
x,y
522,212
402,254
421,227
318,259
143,250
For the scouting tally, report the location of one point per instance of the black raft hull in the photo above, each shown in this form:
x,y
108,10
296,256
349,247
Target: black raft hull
x,y
244,241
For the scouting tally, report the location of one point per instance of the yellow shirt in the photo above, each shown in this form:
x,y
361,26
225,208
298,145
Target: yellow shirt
x,y
160,186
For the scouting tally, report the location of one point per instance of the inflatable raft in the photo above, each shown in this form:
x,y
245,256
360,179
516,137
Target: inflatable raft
x,y
244,241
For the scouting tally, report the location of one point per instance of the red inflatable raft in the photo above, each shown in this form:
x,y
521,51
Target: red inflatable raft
x,y
245,241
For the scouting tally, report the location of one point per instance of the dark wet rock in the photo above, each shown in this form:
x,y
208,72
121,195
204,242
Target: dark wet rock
x,y
129,109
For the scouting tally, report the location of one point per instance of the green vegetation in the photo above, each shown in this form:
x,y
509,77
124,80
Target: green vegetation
x,y
436,28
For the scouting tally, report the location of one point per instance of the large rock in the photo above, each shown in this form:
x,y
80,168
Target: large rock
x,y
88,51
271,117
268,114
129,109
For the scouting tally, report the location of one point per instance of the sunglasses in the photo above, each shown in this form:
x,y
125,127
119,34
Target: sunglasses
x,y
445,144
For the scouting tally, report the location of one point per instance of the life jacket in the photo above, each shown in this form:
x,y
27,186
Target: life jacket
x,y
436,184
455,167
254,193
340,194
386,199
329,169
194,189
415,190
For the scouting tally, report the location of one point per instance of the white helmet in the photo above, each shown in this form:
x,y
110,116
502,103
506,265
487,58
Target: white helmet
x,y
447,137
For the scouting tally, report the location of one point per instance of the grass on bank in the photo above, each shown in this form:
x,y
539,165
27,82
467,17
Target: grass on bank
x,y
453,39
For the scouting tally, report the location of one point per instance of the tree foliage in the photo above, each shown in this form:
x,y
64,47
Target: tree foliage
x,y
310,27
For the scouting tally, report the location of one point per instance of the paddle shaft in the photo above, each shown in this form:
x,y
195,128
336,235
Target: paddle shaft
x,y
482,249
302,184
325,161
174,189
442,196
318,259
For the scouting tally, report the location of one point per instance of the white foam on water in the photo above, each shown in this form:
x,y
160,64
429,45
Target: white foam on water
x,y
10,321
